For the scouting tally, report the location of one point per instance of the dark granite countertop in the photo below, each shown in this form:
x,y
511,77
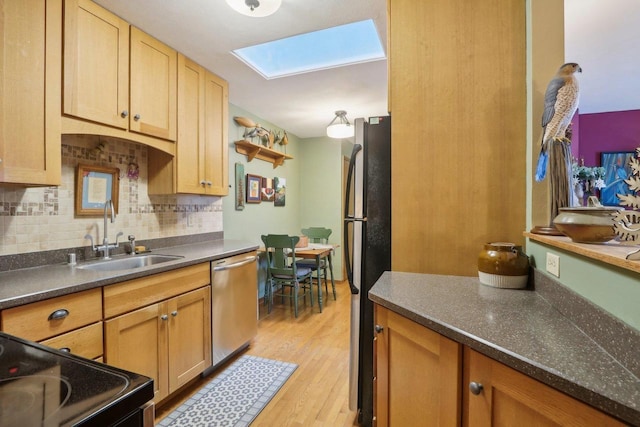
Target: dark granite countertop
x,y
521,329
27,285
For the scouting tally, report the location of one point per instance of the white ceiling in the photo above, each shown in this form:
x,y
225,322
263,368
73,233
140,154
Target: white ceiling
x,y
603,36
207,30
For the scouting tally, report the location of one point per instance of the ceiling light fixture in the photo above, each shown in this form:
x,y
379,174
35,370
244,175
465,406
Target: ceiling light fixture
x,y
255,8
340,126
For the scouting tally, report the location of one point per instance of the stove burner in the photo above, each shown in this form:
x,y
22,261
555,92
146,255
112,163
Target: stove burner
x,y
31,399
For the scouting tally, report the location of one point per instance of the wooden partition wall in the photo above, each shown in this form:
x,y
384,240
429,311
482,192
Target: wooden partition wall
x,y
458,99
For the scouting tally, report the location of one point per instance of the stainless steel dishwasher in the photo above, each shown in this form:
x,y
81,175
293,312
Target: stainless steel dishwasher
x,y
234,305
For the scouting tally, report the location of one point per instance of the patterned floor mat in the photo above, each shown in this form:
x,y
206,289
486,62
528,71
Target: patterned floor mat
x,y
235,397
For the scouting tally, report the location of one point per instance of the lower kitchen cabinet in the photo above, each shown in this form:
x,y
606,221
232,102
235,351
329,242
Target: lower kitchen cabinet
x,y
160,326
417,374
168,341
505,397
423,377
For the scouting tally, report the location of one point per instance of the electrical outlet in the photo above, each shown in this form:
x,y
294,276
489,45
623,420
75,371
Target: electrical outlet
x,y
553,264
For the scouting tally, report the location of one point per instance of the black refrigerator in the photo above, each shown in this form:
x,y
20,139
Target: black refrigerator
x,y
367,251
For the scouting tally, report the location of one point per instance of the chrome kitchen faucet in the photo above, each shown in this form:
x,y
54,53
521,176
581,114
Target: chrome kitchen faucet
x,y
105,247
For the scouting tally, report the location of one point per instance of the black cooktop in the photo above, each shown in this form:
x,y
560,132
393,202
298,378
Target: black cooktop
x,y
40,386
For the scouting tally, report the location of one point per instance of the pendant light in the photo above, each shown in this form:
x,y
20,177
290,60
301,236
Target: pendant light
x,y
340,126
255,8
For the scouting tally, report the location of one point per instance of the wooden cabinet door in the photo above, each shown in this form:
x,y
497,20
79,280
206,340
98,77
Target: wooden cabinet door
x,y
96,64
153,82
509,398
190,149
137,342
216,92
189,336
30,86
418,374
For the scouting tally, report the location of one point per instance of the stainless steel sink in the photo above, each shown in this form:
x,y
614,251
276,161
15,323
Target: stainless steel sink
x,y
128,263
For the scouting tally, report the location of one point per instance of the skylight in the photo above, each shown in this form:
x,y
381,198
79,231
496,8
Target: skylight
x,y
329,48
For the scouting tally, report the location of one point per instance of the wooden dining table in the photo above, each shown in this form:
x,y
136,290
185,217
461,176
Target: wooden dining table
x,y
318,251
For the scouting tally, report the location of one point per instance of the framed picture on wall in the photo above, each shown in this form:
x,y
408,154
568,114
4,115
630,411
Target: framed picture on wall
x,y
94,186
617,169
280,186
267,192
253,188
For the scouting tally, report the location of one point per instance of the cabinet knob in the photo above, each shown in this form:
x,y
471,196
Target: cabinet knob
x,y
136,117
124,114
209,183
164,317
65,349
379,328
174,313
203,182
475,388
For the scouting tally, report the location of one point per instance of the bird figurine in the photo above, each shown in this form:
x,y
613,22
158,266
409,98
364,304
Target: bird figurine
x,y
560,104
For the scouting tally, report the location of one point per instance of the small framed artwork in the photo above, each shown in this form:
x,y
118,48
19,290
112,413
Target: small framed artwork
x,y
253,188
280,187
617,170
267,193
94,186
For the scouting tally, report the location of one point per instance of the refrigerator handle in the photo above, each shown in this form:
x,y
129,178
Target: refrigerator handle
x,y
347,259
352,166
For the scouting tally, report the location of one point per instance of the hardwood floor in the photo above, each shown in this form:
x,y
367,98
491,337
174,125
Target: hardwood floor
x,y
317,392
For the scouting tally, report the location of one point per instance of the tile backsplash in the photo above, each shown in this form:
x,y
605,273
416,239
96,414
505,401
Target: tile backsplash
x,y
41,219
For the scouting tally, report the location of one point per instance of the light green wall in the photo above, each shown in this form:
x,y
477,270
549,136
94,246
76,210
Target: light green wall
x,y
615,290
314,190
321,191
261,218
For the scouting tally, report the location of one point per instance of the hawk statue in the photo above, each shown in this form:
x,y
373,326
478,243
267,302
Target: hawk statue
x,y
560,104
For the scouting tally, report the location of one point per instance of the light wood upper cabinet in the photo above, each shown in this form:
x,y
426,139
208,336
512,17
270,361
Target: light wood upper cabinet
x,y
153,86
201,162
96,63
116,76
216,132
30,80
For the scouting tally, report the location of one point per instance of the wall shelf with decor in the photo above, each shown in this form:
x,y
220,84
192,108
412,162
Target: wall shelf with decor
x,y
612,252
254,151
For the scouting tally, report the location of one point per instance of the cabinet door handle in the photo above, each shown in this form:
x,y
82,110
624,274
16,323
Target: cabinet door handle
x,y
209,183
379,328
203,182
65,349
164,317
124,113
475,388
136,117
174,313
59,314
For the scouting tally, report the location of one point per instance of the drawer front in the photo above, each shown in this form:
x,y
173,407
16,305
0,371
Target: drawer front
x,y
85,342
44,319
133,294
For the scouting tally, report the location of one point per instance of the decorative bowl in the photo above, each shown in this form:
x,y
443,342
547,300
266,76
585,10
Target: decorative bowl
x,y
587,224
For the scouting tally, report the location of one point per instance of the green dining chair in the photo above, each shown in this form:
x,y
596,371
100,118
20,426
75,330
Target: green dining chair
x,y
319,235
283,272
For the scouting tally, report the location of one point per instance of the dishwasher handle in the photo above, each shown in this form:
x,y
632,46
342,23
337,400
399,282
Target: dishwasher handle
x,y
245,261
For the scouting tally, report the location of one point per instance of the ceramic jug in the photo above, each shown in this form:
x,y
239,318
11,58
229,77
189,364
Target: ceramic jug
x,y
503,265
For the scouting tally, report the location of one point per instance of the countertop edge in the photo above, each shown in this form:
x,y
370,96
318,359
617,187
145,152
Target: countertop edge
x,y
516,361
77,280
